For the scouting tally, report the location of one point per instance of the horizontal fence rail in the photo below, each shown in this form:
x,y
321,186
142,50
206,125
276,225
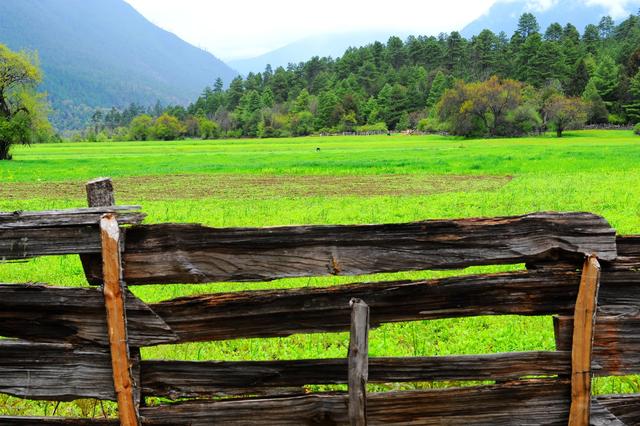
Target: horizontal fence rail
x,y
57,345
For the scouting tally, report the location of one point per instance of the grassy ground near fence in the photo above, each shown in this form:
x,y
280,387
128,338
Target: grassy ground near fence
x,y
348,180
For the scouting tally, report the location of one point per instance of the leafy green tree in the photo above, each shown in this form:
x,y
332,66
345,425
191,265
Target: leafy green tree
x,y
235,92
23,113
484,49
554,32
167,128
302,102
438,87
481,109
141,128
527,26
329,110
565,113
209,129
632,107
606,77
606,27
403,123
267,98
591,38
596,108
302,123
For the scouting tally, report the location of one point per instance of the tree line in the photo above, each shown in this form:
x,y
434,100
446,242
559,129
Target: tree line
x,y
556,79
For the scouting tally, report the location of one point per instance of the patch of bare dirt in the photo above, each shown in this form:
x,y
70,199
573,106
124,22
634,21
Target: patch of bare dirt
x,y
176,187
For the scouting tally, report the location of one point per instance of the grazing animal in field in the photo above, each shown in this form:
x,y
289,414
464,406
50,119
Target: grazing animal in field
x,y
318,149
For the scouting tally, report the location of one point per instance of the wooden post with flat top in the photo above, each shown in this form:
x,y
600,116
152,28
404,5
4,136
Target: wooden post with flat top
x,y
358,362
108,270
116,320
584,319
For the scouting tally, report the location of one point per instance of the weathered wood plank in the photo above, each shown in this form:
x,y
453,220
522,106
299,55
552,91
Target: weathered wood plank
x,y
193,254
543,403
616,347
581,352
601,416
55,314
127,215
625,407
309,310
183,379
60,372
114,301
358,360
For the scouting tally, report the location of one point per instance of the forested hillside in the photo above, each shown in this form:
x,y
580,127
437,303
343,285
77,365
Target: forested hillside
x,y
400,85
102,53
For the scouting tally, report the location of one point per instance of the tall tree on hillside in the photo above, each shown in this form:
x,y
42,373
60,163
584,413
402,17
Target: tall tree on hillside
x,y
22,110
527,26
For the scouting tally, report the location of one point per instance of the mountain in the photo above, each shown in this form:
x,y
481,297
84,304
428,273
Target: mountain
x,y
503,15
332,45
103,53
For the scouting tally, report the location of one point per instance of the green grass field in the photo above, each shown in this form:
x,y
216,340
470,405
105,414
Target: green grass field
x,y
349,180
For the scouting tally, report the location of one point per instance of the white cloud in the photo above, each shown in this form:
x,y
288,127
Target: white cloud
x,y
540,5
617,8
248,28
241,29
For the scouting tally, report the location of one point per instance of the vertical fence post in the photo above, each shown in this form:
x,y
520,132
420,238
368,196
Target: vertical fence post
x,y
116,320
99,194
358,362
583,325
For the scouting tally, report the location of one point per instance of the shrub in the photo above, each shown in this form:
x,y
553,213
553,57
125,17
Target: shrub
x,y
167,128
431,125
617,120
377,127
636,129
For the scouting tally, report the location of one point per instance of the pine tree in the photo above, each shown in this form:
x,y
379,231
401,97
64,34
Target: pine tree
x,y
438,87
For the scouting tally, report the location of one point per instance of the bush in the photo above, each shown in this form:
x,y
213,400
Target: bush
x,y
431,125
167,128
617,120
378,127
636,129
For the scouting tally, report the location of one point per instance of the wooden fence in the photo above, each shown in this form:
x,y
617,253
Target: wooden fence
x,y
70,343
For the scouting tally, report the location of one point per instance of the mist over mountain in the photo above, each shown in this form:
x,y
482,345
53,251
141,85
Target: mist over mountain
x,y
103,53
333,45
503,16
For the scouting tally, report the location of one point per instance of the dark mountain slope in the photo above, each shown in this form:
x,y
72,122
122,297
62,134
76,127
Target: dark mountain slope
x,y
103,53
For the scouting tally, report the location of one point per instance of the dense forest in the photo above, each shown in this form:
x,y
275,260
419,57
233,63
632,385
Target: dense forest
x,y
490,85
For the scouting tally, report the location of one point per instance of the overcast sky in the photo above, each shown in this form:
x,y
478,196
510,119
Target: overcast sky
x,y
247,28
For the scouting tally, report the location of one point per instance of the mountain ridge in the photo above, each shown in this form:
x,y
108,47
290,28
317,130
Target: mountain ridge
x,y
136,60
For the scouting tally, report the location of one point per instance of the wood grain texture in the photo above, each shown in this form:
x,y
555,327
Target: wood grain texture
x,y
127,215
55,314
601,416
57,232
60,372
99,194
284,312
616,346
582,346
114,301
540,403
358,362
626,408
184,379
194,254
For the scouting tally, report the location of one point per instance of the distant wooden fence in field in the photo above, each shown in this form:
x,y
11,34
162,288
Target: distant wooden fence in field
x,y
70,343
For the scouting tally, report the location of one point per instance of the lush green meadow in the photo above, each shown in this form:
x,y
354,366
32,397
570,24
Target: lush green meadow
x,y
348,180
